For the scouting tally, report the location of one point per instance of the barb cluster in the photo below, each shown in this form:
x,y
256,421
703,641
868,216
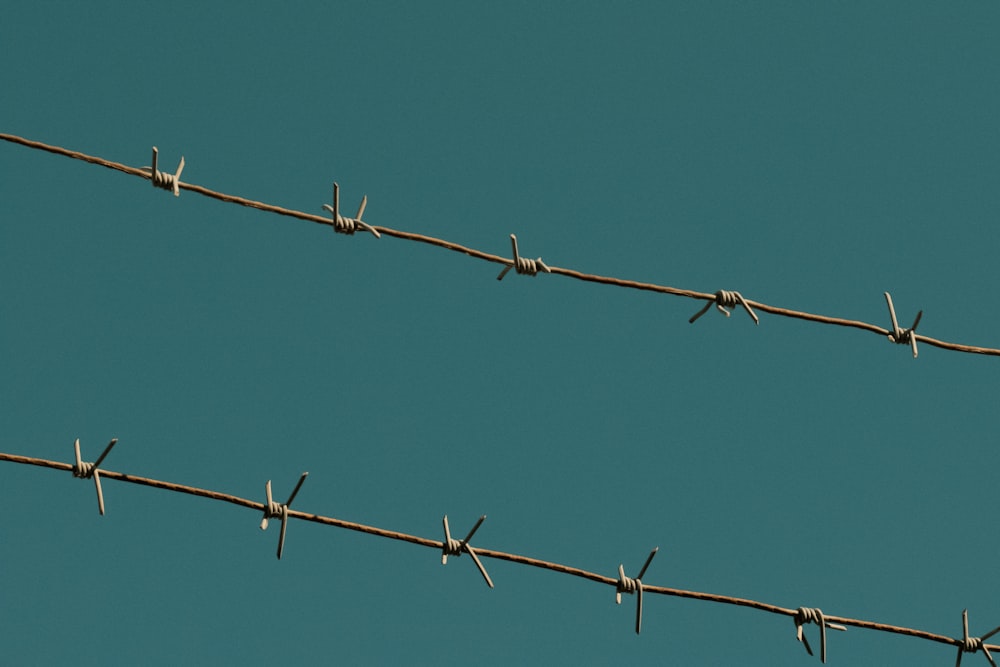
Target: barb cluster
x,y
343,225
91,470
273,510
805,615
171,182
523,265
453,547
629,585
724,299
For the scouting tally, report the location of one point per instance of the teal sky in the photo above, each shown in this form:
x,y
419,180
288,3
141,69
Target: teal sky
x,y
809,155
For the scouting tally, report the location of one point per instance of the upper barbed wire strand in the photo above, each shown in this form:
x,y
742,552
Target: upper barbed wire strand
x,y
497,259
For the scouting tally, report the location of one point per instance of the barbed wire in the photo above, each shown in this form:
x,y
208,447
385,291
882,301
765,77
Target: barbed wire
x,y
452,547
721,298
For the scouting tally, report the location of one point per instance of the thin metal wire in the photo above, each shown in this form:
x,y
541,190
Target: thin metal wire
x,y
497,259
963,644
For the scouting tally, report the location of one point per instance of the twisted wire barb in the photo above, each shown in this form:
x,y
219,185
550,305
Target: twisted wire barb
x,y
171,182
523,265
724,299
85,470
965,644
275,510
805,615
912,336
972,644
453,547
632,585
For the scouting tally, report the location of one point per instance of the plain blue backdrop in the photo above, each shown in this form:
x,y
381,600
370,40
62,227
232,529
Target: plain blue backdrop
x,y
810,155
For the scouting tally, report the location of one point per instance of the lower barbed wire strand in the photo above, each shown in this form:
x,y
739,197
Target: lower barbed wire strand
x,y
492,553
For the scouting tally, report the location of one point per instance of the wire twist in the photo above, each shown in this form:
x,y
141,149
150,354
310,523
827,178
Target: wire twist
x,y
970,645
528,267
899,335
626,584
276,510
452,547
84,470
523,265
805,615
170,182
345,225
629,585
726,299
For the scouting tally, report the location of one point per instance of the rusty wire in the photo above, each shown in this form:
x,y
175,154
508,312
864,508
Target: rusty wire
x,y
508,262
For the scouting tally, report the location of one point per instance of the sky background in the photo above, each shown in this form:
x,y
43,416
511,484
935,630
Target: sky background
x,y
809,155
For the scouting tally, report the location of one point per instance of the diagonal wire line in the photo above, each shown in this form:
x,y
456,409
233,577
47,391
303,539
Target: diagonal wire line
x,y
489,257
491,553
478,254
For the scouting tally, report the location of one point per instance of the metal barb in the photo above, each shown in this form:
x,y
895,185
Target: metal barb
x,y
453,547
629,585
807,615
343,225
165,181
273,510
724,298
529,267
86,470
903,336
972,644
